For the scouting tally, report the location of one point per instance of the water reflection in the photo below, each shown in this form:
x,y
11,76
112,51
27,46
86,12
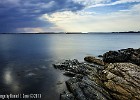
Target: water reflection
x,y
40,78
68,46
26,60
78,46
8,77
10,80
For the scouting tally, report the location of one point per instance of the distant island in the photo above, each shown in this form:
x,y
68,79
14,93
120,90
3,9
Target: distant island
x,y
128,32
75,32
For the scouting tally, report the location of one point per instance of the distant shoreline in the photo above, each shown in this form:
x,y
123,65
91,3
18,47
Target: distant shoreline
x,y
78,32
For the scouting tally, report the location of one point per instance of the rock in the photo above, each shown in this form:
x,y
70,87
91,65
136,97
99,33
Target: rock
x,y
92,59
123,81
68,65
124,55
73,66
85,89
68,73
118,79
100,56
73,86
85,83
59,83
66,96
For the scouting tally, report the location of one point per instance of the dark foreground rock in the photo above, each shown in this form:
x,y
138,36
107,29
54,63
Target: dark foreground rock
x,y
74,67
86,89
124,55
85,83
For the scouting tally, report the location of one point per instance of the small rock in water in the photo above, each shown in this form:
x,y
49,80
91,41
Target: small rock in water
x,y
68,73
59,83
100,56
67,96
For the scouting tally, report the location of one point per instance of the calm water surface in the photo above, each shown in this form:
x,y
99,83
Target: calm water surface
x,y
26,60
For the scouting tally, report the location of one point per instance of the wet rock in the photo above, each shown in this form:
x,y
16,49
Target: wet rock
x,y
92,59
68,73
73,86
75,67
100,56
123,81
85,83
59,83
124,55
85,89
68,65
67,96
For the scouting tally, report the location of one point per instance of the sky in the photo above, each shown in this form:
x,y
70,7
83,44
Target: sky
x,y
69,15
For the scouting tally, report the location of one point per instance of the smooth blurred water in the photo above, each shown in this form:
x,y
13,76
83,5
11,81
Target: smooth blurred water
x,y
26,59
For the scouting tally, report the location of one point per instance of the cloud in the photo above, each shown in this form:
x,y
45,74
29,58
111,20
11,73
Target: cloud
x,y
91,2
16,14
113,3
68,15
39,29
35,30
123,20
9,2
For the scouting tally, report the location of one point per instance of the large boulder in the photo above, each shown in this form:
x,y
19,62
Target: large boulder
x,y
123,81
92,59
124,55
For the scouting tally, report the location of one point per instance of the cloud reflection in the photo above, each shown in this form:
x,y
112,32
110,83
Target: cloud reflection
x,y
8,77
10,80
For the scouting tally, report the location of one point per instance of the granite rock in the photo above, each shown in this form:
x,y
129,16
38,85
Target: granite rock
x,y
123,81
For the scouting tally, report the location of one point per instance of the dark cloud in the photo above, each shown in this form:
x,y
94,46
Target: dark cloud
x,y
25,13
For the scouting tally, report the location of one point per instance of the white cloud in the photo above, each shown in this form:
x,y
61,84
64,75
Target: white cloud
x,y
39,29
113,3
48,5
34,30
117,21
91,2
124,1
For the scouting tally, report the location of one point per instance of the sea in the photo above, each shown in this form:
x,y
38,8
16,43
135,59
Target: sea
x,y
26,60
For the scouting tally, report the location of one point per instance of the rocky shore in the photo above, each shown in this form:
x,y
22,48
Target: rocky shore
x,y
114,77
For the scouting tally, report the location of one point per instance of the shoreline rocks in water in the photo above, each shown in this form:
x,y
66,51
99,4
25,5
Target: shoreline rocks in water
x,y
98,80
85,85
124,55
